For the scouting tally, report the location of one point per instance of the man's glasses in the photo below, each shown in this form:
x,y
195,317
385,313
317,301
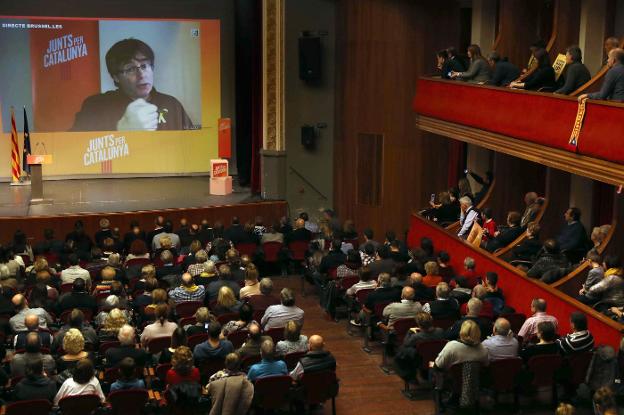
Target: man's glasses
x,y
134,70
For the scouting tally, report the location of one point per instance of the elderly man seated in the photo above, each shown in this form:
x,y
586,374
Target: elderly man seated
x,y
501,344
187,291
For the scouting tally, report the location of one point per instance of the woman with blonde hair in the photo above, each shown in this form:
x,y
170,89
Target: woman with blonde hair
x,y
467,349
182,369
432,277
226,302
115,319
203,318
73,346
293,341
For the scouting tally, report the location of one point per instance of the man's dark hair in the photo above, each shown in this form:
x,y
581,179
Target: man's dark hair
x,y
336,244
73,259
84,371
368,232
551,246
442,54
168,226
390,236
353,257
365,273
487,212
304,216
127,369
246,312
547,331
427,245
369,249
287,297
492,278
124,51
543,60
575,213
79,285
578,320
384,252
494,56
76,318
34,368
214,329
451,51
575,52
444,256
613,261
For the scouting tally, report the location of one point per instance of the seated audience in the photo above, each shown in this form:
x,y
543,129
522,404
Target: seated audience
x,y
432,277
265,299
446,65
506,235
127,376
252,285
229,390
279,315
214,347
406,308
366,282
423,331
599,235
613,85
74,271
31,321
467,349
542,77
182,369
489,224
83,382
293,341
178,338
501,344
487,307
474,310
504,73
443,307
351,266
226,302
268,366
77,298
199,264
533,205
251,347
595,274
187,291
316,360
469,215
36,384
445,211
529,328
445,269
382,263
76,321
203,319
369,240
421,291
610,290
580,340
527,250
127,348
573,236
547,336
114,321
550,261
161,328
22,309
494,293
20,361
245,313
575,73
605,402
226,279
479,70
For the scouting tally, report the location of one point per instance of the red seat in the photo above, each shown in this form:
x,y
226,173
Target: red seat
x,y
128,402
161,371
516,320
104,346
30,407
238,337
428,351
158,344
347,282
185,321
379,308
362,295
332,273
276,333
79,404
544,368
209,367
66,288
196,339
247,249
292,359
227,317
111,374
401,327
298,250
258,314
272,392
249,361
88,315
444,323
52,258
271,251
137,262
578,364
504,374
319,387
187,308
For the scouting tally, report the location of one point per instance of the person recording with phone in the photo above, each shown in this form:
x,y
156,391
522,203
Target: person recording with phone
x,y
135,104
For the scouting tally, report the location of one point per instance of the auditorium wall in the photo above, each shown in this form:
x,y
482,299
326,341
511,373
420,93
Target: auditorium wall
x,y
173,9
309,173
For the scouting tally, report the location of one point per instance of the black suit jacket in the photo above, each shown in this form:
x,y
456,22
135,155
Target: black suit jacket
x,y
504,73
301,234
443,309
76,300
573,237
504,238
235,234
115,355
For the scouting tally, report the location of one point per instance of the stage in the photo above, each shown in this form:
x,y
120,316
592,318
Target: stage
x,y
123,200
68,197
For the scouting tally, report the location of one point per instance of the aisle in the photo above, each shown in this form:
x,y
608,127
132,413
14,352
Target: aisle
x,y
364,388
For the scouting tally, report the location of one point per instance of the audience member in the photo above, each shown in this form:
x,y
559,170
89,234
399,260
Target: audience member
x,y
214,347
316,360
467,349
501,344
610,291
251,347
542,77
406,308
529,328
31,321
546,336
265,298
366,282
469,215
17,322
188,291
182,369
533,205
507,235
605,402
245,318
203,319
226,279
421,291
36,384
504,73
252,285
161,328
226,302
83,382
432,277
279,315
127,376
268,366
479,71
424,331
68,275
473,312
229,390
293,341
551,260
178,338
580,340
595,274
613,84
573,236
33,351
527,250
127,348
575,73
76,321
443,307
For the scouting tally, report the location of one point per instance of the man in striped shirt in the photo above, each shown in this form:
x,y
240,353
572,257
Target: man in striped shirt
x,y
580,340
529,328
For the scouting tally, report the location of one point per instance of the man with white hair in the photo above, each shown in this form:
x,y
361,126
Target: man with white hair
x,y
474,310
127,340
187,291
199,266
467,218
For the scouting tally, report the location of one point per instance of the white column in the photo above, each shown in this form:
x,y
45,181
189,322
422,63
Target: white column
x,y
592,33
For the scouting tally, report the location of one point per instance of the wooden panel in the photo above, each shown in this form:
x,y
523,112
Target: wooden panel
x,y
34,226
369,159
382,46
567,26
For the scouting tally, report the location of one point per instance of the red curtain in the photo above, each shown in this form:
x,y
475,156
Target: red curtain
x,y
456,161
602,203
256,101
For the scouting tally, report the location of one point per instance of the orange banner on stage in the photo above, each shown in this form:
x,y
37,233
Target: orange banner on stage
x,y
225,138
39,159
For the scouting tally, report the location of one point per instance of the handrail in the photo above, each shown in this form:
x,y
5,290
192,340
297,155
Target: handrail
x,y
601,74
500,252
306,181
578,271
455,225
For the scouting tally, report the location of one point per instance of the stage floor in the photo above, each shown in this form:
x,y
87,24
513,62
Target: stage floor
x,y
117,195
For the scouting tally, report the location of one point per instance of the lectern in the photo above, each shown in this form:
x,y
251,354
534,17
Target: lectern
x,y
35,161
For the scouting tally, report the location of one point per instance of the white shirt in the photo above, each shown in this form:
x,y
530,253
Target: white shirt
x,y
466,220
72,388
75,271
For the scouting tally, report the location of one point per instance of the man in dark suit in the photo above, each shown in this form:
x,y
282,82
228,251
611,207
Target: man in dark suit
x,y
126,348
168,267
235,233
104,232
421,291
505,72
78,298
573,236
31,321
385,293
300,233
506,235
443,307
225,279
383,262
334,258
613,85
474,309
159,223
135,233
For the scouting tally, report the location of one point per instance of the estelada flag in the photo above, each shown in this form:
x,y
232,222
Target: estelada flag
x,y
15,161
26,151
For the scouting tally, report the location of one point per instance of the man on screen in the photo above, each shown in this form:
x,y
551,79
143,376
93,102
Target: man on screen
x,y
135,104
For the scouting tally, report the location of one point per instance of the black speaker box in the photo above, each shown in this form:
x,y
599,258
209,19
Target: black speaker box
x,y
308,137
310,58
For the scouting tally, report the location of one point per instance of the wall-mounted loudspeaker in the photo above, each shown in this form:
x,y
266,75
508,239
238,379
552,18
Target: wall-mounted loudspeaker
x,y
308,137
310,58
